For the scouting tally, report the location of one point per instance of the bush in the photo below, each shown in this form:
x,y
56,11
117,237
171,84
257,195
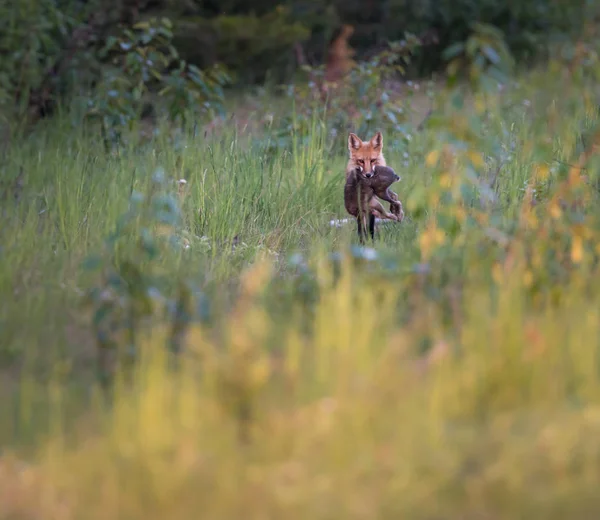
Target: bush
x,y
47,49
32,40
527,24
254,44
249,44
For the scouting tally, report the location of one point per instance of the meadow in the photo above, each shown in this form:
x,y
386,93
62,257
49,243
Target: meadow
x,y
266,365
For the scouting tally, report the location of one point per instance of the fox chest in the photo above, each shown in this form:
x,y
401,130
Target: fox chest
x,y
356,195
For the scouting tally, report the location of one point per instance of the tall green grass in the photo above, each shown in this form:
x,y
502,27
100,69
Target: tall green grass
x,y
469,391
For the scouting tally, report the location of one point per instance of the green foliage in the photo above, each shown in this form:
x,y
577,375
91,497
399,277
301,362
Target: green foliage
x,y
143,61
48,49
32,36
132,292
528,25
484,56
249,44
360,102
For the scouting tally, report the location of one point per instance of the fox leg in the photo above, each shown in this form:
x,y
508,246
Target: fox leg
x,y
365,214
361,229
366,219
361,220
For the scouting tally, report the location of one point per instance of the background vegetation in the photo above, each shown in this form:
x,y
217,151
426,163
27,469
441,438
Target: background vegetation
x,y
181,328
51,49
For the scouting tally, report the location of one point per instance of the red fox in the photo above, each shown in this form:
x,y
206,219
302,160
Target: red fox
x,y
365,155
367,175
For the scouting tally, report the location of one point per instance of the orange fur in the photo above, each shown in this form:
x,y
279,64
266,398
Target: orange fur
x,y
365,154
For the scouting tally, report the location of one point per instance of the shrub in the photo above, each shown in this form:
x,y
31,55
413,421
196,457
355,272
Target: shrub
x,y
249,44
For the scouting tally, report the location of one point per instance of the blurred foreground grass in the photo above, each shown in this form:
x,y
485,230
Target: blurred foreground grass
x,y
452,373
349,423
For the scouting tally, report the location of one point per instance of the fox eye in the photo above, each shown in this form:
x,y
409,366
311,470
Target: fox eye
x,y
360,161
373,160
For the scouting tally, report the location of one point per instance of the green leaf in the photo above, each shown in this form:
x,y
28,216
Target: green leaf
x,y
488,30
491,54
453,51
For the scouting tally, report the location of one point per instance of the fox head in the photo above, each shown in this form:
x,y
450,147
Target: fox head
x,y
365,155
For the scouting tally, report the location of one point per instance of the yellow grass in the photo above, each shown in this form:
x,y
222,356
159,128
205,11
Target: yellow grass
x,y
349,425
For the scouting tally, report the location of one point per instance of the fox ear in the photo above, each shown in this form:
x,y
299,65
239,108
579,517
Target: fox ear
x,y
354,142
377,141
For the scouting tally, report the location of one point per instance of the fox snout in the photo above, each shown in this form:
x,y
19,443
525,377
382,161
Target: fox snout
x,y
361,171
